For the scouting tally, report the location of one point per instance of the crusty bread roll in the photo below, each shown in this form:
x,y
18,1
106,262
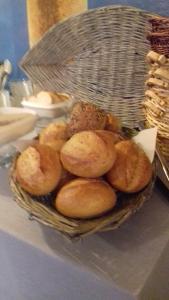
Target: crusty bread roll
x,y
38,170
54,131
112,137
85,198
86,116
88,154
112,123
132,170
54,135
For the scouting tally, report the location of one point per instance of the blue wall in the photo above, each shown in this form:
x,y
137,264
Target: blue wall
x,y
159,6
13,33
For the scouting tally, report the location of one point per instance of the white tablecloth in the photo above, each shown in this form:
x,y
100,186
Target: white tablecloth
x,y
37,263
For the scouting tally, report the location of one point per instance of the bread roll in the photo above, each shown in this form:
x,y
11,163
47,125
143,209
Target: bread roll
x,y
38,170
54,135
132,170
88,154
85,116
53,131
112,123
85,198
49,98
111,137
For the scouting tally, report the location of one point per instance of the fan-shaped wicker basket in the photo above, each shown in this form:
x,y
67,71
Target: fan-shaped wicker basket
x,y
98,56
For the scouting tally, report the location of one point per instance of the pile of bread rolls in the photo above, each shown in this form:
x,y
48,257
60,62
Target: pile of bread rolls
x,y
85,161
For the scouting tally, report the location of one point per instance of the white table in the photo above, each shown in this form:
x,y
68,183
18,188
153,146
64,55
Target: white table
x,y
37,263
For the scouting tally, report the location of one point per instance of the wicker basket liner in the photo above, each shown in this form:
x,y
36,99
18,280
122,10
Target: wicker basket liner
x,y
98,56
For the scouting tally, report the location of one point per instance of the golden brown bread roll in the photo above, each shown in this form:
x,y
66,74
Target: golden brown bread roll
x,y
88,154
85,198
86,116
132,170
38,169
54,135
112,137
112,123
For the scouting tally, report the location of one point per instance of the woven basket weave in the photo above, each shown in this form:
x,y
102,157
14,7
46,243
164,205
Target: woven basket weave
x,y
159,23
159,37
156,101
98,56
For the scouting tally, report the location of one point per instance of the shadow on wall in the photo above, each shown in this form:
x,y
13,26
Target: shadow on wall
x,y
13,33
158,6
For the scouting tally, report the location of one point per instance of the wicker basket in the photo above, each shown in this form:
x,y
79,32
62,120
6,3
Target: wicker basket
x,y
98,56
156,104
160,43
127,205
159,23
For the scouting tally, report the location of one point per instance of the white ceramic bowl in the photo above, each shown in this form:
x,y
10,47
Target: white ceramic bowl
x,y
50,111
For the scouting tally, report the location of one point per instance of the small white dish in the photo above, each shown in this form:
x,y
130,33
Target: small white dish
x,y
50,111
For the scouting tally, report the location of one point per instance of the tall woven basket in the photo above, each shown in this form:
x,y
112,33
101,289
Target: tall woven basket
x,y
98,56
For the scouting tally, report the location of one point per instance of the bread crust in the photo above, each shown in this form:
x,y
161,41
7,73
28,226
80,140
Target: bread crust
x,y
85,198
38,170
88,154
86,116
132,170
54,135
